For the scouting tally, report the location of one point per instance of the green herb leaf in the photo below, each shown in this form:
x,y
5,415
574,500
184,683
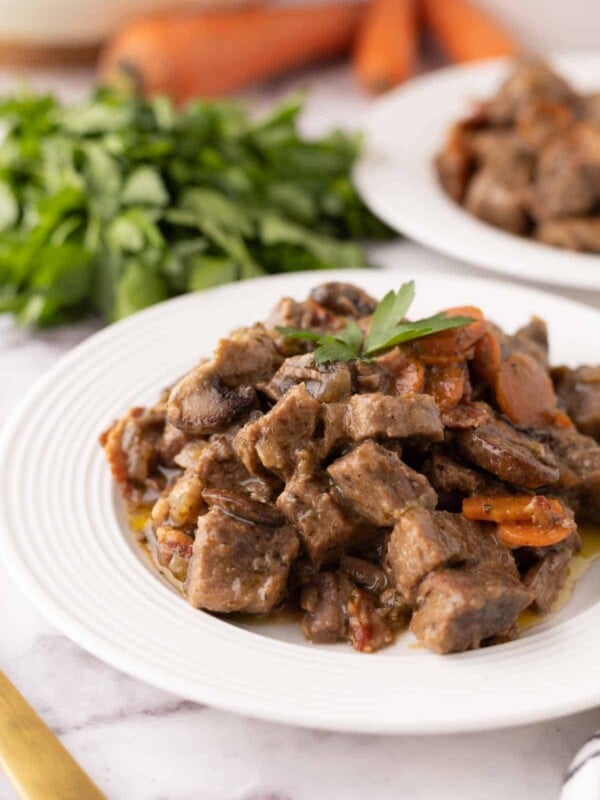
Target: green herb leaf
x,y
129,182
417,330
137,288
332,349
300,334
9,208
145,187
385,330
351,336
388,314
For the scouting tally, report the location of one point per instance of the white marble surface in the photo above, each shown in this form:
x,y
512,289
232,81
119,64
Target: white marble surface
x,y
141,744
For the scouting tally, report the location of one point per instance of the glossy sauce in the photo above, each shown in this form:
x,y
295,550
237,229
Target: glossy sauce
x,y
139,517
138,520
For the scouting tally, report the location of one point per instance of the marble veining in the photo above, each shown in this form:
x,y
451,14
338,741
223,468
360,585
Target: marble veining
x,y
139,743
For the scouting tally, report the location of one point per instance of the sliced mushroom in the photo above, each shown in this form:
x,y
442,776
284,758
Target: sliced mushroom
x,y
244,507
344,298
202,403
328,383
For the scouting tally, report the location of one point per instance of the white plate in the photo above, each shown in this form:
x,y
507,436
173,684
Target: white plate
x,y
63,537
397,180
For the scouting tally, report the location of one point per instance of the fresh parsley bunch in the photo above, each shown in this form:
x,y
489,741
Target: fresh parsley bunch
x,y
387,329
117,203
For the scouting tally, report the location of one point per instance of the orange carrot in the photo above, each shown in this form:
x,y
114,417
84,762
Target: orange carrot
x,y
387,43
189,54
537,510
466,32
524,391
562,420
487,357
452,345
408,371
446,383
523,520
528,535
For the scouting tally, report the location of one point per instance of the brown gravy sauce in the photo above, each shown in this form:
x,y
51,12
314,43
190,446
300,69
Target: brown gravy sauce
x,y
138,518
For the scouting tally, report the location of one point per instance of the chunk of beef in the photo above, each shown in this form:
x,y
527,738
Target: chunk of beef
x,y
325,602
492,145
423,541
378,416
454,480
579,459
541,119
213,394
493,197
239,566
344,298
455,163
332,428
579,391
529,81
327,383
511,455
336,610
219,467
547,576
273,441
458,609
375,484
572,233
132,446
309,504
567,182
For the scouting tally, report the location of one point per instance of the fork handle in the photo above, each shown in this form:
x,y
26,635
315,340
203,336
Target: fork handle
x,y
36,763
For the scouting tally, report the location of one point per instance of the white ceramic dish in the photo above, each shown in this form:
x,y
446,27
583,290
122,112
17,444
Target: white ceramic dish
x,y
397,180
63,537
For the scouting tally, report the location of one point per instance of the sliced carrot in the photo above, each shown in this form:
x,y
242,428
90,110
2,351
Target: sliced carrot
x,y
528,535
408,371
466,32
447,383
524,391
537,510
188,54
562,420
452,345
387,43
487,357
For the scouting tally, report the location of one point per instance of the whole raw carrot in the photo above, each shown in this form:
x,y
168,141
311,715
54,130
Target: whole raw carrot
x,y
466,32
210,54
387,44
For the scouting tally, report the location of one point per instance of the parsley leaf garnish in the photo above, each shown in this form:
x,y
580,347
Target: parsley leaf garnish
x,y
387,329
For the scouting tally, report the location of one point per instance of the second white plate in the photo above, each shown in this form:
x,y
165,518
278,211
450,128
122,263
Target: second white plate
x,y
397,180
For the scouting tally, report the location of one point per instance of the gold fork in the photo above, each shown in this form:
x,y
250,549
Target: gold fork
x,y
36,763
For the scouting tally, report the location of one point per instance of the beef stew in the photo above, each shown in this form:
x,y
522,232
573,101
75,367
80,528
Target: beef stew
x,y
413,486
